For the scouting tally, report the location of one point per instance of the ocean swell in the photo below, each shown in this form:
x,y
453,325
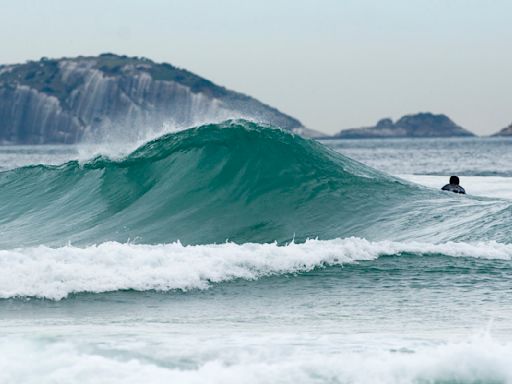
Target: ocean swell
x,y
236,181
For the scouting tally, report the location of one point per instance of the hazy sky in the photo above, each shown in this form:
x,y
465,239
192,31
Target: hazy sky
x,y
331,63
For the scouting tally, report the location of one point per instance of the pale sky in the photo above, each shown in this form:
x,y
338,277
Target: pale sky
x,y
333,64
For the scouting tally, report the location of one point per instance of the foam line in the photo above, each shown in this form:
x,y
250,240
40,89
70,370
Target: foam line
x,y
481,360
54,273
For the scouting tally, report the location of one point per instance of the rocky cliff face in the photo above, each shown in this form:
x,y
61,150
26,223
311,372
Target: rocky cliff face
x,y
418,125
69,99
504,132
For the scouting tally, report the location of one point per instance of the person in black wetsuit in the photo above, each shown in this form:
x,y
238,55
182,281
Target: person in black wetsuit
x,y
454,186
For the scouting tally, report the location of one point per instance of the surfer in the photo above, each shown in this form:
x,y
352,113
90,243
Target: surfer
x,y
454,185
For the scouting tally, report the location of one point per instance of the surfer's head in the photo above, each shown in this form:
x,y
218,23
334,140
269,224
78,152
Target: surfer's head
x,y
454,180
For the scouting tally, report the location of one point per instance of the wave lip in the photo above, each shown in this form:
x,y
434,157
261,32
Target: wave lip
x,y
55,273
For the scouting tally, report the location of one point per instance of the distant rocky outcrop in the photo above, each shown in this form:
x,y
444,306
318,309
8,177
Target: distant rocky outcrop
x,y
65,100
504,132
418,125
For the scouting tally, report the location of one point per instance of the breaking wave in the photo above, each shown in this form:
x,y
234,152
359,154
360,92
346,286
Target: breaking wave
x,y
236,181
55,273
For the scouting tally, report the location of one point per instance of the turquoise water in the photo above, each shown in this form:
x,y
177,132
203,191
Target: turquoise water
x,y
241,253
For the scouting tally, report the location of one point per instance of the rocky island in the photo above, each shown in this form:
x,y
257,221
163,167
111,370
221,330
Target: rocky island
x,y
420,125
64,100
504,132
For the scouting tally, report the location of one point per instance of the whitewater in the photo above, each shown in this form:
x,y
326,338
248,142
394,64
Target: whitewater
x,y
238,252
55,273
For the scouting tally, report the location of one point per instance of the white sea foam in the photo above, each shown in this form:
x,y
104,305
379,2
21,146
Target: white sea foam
x,y
480,360
54,273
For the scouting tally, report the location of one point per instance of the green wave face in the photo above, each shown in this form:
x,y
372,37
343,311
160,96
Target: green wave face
x,y
234,181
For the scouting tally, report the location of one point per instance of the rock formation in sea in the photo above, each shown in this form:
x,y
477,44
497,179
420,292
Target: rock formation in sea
x,y
504,132
69,99
417,125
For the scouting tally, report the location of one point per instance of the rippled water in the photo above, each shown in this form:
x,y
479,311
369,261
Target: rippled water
x,y
481,156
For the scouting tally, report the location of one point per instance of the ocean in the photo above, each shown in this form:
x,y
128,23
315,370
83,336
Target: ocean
x,y
238,253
